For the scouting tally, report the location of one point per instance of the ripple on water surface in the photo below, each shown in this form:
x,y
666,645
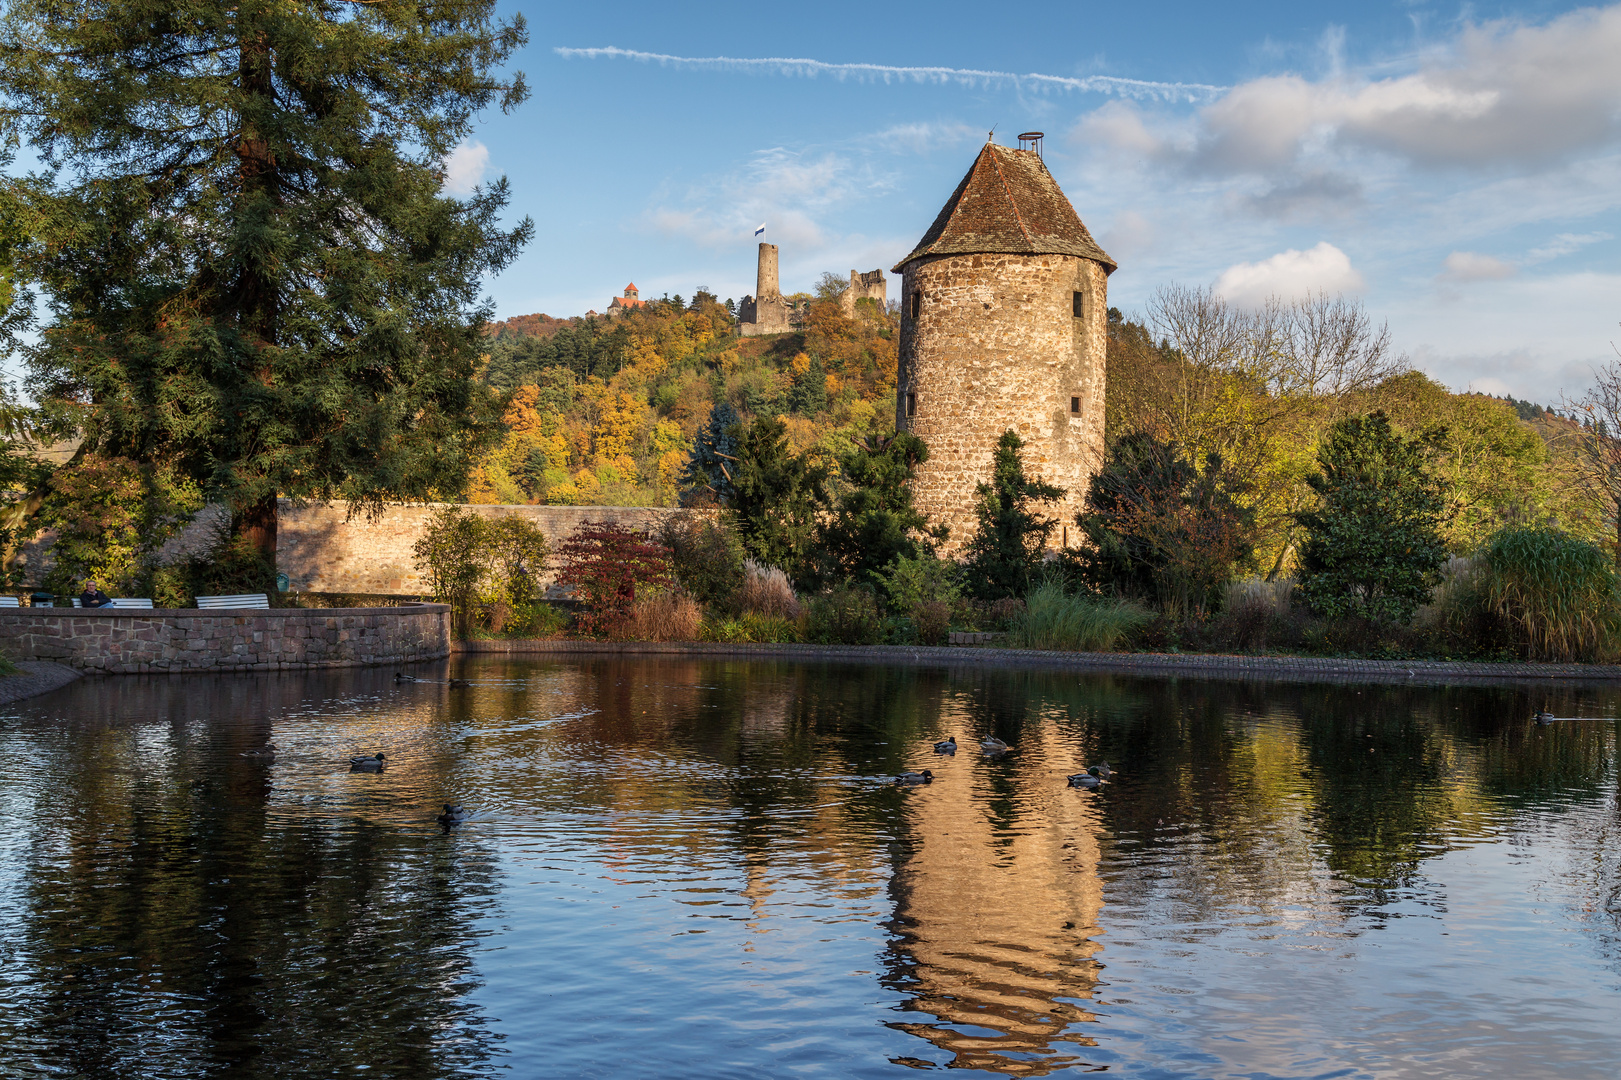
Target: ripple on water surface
x,y
698,868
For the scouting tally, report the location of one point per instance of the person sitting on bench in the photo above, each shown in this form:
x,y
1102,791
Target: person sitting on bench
x,y
93,597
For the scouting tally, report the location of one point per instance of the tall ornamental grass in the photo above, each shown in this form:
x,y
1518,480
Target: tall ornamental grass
x,y
1557,592
1054,620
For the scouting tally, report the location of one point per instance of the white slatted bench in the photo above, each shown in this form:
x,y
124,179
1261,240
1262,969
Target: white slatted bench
x,y
118,602
242,600
10,601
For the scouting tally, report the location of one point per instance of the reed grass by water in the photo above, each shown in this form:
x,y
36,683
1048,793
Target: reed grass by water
x,y
1053,619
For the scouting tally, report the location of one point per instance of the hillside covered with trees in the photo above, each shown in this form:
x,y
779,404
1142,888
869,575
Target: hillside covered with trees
x,y
605,410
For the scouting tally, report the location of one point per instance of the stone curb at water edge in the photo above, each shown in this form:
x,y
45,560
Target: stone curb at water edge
x,y
1270,668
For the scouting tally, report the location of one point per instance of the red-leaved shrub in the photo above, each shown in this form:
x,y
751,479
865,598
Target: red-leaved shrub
x,y
605,564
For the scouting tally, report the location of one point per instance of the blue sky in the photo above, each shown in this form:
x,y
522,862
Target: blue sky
x,y
1458,168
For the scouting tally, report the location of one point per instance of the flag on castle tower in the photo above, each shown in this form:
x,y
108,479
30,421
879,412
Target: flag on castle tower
x,y
760,230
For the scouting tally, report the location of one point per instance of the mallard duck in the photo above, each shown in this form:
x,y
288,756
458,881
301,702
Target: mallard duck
x,y
457,684
1545,718
1084,780
400,676
263,753
1102,772
366,764
992,745
948,746
908,778
453,815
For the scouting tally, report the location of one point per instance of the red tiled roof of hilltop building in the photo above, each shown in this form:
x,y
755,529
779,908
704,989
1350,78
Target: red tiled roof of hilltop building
x,y
1008,204
631,290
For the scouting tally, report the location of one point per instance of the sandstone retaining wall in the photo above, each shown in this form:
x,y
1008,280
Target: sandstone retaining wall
x,y
320,551
126,641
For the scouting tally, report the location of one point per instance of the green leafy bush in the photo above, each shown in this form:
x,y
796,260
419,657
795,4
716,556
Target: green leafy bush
x,y
926,579
1373,548
470,560
111,515
706,558
1055,620
448,556
846,616
751,627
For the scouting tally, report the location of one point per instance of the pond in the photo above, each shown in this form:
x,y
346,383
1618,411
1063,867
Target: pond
x,y
696,868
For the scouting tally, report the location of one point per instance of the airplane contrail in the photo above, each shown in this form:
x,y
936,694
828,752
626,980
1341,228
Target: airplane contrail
x,y
777,65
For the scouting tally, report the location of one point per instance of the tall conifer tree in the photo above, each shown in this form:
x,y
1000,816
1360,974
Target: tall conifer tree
x,y
251,268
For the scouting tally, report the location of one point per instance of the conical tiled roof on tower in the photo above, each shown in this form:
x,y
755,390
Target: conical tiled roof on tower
x,y
1008,204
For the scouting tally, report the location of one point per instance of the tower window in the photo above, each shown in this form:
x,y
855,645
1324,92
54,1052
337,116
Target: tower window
x,y
917,302
1075,405
911,404
1079,302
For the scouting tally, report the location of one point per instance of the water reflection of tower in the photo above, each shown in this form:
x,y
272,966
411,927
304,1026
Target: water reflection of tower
x,y
996,901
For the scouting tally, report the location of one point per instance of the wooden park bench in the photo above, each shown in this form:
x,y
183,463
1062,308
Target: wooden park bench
x,y
241,600
132,602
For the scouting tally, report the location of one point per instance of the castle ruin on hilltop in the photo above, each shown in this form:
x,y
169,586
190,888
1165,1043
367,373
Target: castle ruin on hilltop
x,y
868,286
766,312
769,312
1004,324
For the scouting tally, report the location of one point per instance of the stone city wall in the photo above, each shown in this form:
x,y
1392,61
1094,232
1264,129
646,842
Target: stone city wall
x,y
321,549
125,642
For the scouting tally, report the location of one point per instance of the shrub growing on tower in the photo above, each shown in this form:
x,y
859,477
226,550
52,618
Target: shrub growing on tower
x,y
1006,548
875,522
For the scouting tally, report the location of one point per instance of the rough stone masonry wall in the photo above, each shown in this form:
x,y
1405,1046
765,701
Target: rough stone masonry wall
x,y
130,642
320,551
996,345
869,286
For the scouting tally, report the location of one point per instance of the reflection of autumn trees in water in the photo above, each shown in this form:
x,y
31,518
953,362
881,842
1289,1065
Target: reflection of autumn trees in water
x,y
170,926
291,920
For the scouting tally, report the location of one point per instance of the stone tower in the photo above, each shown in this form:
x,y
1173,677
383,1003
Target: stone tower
x,y
765,278
1004,320
766,312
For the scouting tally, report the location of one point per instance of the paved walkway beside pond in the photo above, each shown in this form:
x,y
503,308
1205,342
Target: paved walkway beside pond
x,y
1193,665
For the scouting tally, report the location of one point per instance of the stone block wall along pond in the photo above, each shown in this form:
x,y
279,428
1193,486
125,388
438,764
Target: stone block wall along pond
x,y
699,866
127,641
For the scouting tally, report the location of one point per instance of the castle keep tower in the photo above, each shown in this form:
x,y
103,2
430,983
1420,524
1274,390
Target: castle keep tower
x,y
766,312
1004,321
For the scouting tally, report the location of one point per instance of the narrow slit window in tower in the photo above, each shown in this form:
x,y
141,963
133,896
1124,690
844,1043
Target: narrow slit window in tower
x,y
1075,405
917,302
1080,309
911,404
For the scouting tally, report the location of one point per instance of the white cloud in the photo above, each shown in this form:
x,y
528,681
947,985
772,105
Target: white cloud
x,y
1565,244
793,192
465,167
1128,236
1324,268
1501,93
922,137
1462,266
